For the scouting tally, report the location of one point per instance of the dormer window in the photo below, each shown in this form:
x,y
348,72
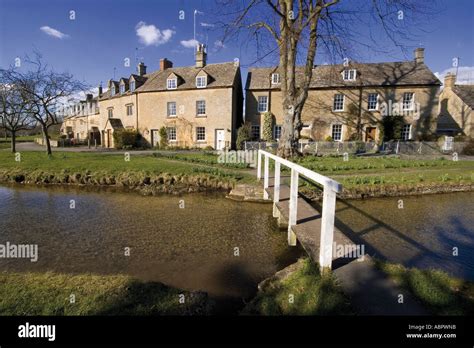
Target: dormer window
x,y
275,78
122,89
112,90
201,81
132,86
349,75
172,83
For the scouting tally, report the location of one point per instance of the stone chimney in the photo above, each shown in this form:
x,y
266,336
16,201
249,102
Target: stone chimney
x,y
419,55
449,80
89,97
141,69
100,90
201,56
165,64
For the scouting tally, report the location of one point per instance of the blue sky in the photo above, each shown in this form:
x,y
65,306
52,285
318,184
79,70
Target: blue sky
x,y
106,32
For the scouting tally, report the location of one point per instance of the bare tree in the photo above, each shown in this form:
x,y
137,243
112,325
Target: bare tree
x,y
298,27
15,111
45,90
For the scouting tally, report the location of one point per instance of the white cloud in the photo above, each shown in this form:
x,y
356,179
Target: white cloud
x,y
189,43
53,32
207,25
151,35
465,75
219,44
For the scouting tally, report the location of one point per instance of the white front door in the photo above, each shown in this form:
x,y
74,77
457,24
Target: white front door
x,y
220,139
155,137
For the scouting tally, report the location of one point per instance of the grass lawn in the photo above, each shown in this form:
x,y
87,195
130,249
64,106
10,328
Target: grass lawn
x,y
23,138
50,294
312,294
436,290
99,165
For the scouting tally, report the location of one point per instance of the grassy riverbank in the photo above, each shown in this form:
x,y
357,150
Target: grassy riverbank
x,y
50,294
148,173
435,290
390,176
304,291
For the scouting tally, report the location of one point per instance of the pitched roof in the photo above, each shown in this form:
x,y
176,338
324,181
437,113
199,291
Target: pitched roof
x,y
466,93
221,75
115,123
368,74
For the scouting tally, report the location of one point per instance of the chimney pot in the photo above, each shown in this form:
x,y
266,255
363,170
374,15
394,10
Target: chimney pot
x,y
201,56
141,69
419,55
449,80
165,64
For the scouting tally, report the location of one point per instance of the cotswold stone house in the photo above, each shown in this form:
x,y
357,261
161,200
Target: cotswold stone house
x,y
456,108
349,101
82,121
199,105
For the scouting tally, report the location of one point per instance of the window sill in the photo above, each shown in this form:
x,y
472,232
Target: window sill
x,y
201,116
171,116
338,110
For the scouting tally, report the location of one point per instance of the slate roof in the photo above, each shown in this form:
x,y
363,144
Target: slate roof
x,y
466,93
115,123
368,74
220,75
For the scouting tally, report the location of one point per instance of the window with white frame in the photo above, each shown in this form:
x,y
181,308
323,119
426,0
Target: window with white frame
x,y
262,103
372,101
122,89
201,81
171,133
338,102
201,108
171,83
349,75
110,112
132,86
406,132
255,132
171,109
200,133
275,78
129,109
336,133
112,90
276,132
408,99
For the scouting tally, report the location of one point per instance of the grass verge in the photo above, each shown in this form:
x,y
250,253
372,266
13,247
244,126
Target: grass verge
x,y
438,292
50,294
312,294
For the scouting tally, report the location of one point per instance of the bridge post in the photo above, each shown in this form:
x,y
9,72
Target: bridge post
x,y
265,177
293,207
327,229
276,189
259,165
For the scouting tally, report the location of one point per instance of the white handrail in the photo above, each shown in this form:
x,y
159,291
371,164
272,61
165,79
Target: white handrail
x,y
330,186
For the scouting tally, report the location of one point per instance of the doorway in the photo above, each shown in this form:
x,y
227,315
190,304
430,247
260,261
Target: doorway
x,y
220,139
370,133
155,137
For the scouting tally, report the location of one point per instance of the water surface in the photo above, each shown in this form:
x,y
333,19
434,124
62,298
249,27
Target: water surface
x,y
192,248
426,233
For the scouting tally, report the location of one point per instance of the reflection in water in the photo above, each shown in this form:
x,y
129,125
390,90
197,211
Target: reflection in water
x,y
422,234
191,248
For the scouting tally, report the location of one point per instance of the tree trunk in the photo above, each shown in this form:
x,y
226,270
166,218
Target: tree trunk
x,y
46,138
290,133
13,141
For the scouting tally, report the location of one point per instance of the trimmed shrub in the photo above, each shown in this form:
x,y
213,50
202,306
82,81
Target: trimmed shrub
x,y
163,138
126,138
244,133
267,132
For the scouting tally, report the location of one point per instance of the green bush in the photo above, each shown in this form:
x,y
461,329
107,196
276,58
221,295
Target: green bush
x,y
163,138
244,133
267,133
126,138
